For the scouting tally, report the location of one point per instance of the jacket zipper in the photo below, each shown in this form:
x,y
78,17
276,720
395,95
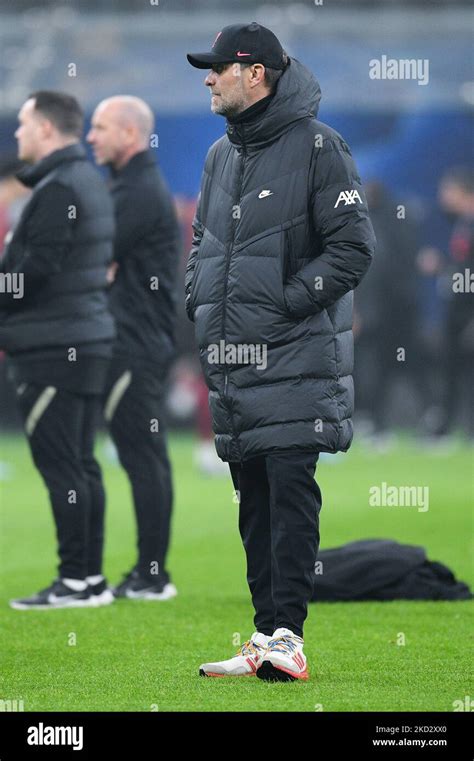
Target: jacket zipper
x,y
226,371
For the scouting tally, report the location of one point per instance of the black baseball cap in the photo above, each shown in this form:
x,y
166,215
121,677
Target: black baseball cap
x,y
242,43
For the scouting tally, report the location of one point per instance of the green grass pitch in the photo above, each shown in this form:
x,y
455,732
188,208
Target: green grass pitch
x,y
144,656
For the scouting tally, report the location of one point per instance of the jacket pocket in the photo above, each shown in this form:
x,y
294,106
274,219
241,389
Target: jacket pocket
x,y
288,266
290,254
291,244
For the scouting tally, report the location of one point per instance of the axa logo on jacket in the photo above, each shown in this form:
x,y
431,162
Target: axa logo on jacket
x,y
348,196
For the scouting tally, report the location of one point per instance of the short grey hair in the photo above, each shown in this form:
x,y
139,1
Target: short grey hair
x,y
271,75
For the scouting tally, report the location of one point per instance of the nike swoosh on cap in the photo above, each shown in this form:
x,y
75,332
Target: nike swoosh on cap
x,y
241,54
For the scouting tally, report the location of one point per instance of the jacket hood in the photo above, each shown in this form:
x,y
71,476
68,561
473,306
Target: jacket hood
x,y
31,175
297,97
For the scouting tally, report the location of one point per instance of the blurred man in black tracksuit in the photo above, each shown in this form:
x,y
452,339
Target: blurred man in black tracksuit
x,y
456,195
386,310
143,301
57,330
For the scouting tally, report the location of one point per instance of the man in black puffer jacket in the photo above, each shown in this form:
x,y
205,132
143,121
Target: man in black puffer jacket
x,y
281,237
56,327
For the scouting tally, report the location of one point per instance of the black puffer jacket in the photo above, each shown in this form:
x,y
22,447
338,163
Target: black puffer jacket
x,y
62,247
282,236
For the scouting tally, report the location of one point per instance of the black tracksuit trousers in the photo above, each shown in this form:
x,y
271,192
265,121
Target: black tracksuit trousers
x,y
61,426
279,524
134,412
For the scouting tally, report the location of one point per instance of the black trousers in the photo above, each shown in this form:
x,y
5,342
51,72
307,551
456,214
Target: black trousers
x,y
61,427
279,524
134,412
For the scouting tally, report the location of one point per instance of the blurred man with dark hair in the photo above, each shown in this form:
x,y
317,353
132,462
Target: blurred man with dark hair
x,y
143,302
59,109
456,195
56,327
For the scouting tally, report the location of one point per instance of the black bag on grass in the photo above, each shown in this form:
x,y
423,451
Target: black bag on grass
x,y
381,569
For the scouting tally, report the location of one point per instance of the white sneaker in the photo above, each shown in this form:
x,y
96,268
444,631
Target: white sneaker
x,y
284,660
244,663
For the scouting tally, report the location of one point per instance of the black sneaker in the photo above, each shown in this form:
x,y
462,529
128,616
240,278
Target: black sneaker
x,y
136,587
101,593
119,590
57,595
